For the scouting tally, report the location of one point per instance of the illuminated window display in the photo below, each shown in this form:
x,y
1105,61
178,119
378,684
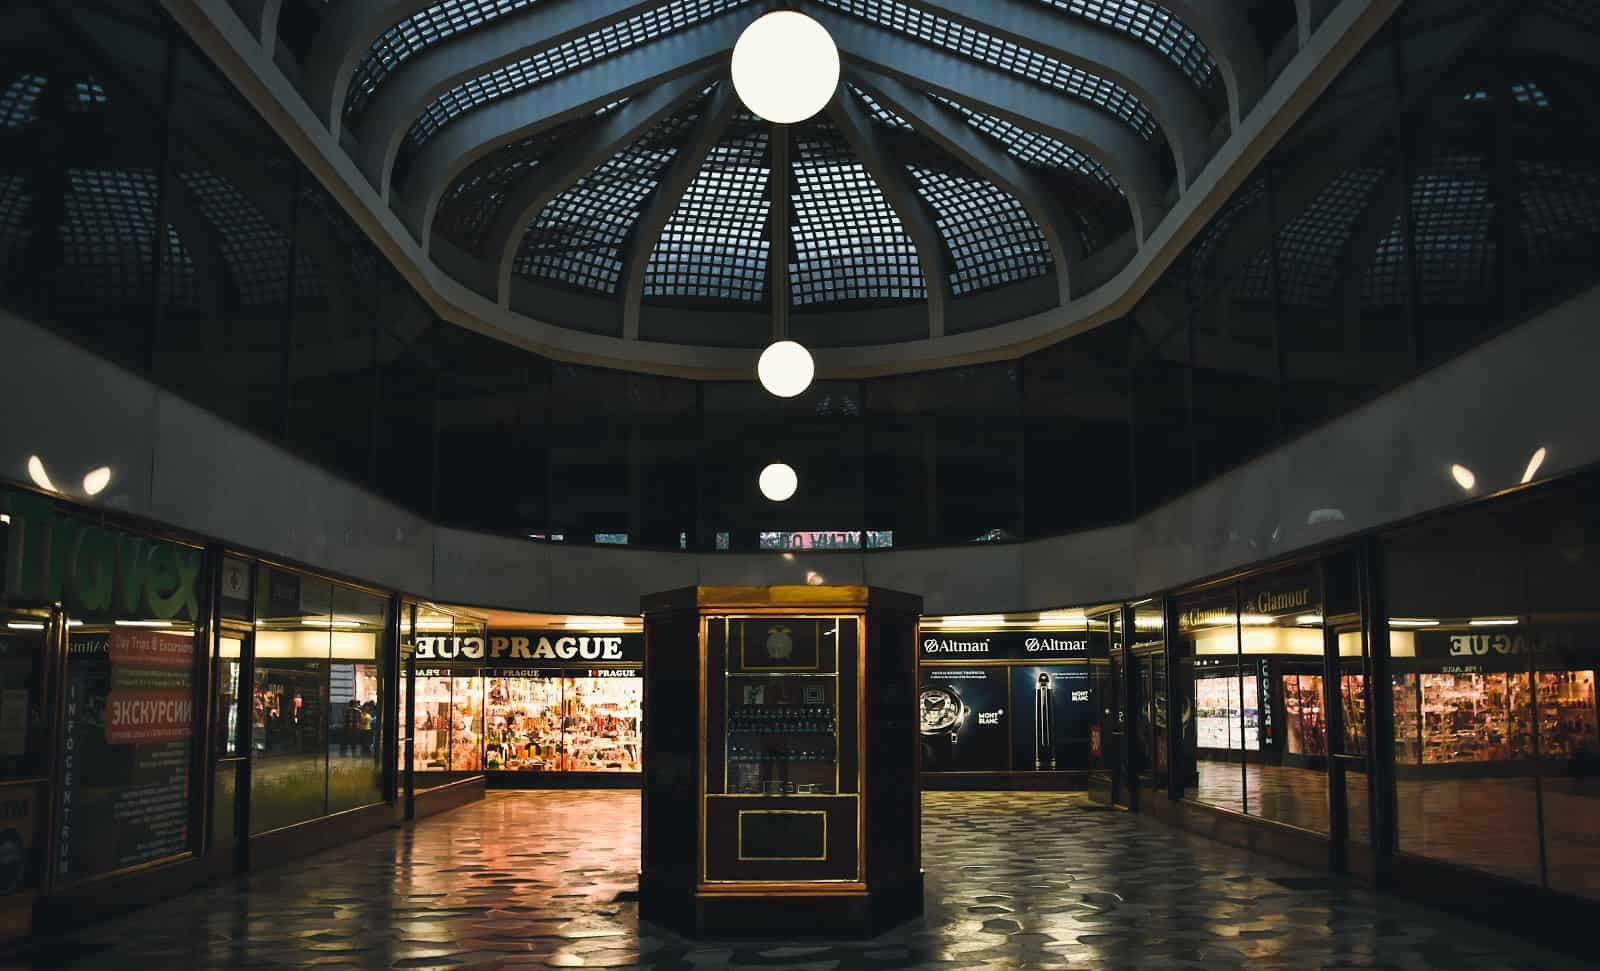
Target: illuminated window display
x,y
1226,716
547,719
1306,731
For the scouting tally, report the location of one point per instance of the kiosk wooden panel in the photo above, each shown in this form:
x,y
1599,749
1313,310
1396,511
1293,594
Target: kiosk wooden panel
x,y
780,784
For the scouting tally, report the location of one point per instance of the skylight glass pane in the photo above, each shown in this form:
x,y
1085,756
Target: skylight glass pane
x,y
1560,206
577,239
1153,24
255,251
715,245
1034,148
416,34
18,99
556,61
108,228
879,112
1311,244
848,242
1451,214
474,198
979,46
991,237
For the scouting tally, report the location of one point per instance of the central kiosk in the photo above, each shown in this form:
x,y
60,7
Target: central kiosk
x,y
780,787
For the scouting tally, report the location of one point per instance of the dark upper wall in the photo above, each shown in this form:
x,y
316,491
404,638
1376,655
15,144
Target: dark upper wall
x,y
1437,194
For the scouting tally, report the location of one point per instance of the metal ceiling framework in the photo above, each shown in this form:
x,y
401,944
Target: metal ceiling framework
x,y
979,145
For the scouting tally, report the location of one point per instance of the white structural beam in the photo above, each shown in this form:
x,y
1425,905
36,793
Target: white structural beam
x,y
346,35
1128,157
951,132
893,180
583,91
1222,27
418,80
680,172
617,131
1309,15
1136,66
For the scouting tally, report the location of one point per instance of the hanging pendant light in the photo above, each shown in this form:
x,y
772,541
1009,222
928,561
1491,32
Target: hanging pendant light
x,y
786,368
778,482
785,67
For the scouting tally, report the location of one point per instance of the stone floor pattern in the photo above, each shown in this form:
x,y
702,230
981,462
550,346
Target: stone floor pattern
x,y
1014,880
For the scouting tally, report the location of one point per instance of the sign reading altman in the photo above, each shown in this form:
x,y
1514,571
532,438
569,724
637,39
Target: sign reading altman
x,y
1004,645
534,646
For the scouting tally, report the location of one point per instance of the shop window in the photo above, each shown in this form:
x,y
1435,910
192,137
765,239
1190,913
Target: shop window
x,y
1147,674
1467,779
356,715
128,719
1259,742
317,699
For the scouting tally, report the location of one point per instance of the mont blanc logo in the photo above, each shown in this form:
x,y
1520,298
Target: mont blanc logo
x,y
780,644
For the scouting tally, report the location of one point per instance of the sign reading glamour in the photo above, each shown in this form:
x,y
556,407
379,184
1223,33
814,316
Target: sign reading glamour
x,y
533,646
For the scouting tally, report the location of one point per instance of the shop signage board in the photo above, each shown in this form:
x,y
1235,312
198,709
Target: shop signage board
x,y
1009,645
95,570
531,647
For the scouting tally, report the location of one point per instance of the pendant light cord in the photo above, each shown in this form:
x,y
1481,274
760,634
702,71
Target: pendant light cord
x,y
780,231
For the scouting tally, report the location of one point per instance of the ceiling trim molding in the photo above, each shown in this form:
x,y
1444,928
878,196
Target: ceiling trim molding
x,y
218,31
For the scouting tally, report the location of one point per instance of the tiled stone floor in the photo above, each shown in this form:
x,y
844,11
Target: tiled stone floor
x,y
1014,880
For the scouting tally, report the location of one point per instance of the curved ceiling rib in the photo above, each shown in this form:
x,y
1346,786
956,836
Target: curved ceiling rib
x,y
1221,25
1129,158
416,81
664,202
476,133
620,129
338,47
966,144
890,175
1309,14
1136,66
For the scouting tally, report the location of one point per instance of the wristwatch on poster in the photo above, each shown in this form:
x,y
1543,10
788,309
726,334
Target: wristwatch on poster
x,y
942,713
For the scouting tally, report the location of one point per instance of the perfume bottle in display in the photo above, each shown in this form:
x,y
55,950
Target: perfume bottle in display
x,y
1044,713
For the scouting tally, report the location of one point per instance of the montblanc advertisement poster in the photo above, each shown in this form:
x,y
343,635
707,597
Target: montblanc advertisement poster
x,y
1050,718
962,714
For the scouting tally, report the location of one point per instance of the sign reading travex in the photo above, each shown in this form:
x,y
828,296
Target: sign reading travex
x,y
513,647
977,645
93,569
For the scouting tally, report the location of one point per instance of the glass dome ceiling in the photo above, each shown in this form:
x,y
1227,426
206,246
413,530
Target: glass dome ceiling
x,y
585,163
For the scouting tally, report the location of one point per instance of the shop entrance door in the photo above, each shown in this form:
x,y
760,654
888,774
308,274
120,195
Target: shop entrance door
x,y
29,662
231,734
1345,697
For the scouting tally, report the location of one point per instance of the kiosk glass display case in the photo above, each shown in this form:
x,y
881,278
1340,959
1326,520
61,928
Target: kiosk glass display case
x,y
781,797
782,747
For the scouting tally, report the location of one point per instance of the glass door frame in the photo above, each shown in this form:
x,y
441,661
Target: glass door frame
x,y
241,760
39,877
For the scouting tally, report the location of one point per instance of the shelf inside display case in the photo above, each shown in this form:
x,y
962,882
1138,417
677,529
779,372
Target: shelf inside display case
x,y
782,735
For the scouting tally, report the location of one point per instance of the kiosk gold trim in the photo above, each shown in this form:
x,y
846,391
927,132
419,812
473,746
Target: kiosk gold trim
x,y
783,812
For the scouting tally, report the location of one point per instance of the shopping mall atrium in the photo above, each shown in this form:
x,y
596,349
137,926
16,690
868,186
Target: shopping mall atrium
x,y
828,484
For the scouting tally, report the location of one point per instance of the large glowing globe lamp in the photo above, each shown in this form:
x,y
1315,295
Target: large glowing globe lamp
x,y
778,482
786,368
785,67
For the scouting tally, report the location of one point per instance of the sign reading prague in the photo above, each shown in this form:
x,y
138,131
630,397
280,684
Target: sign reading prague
x,y
534,646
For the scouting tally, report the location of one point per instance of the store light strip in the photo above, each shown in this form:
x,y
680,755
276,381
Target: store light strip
x,y
1063,617
1411,622
1493,622
968,620
5,519
23,625
1308,619
595,623
143,623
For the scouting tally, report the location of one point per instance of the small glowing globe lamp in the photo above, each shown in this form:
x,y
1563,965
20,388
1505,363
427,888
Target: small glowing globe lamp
x,y
785,67
778,482
786,368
